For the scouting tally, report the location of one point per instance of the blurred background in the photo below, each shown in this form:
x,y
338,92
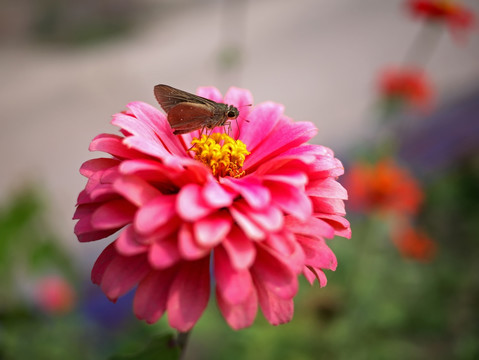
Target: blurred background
x,y
67,66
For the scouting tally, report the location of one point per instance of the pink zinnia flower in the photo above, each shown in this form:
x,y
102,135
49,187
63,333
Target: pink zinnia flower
x,y
251,213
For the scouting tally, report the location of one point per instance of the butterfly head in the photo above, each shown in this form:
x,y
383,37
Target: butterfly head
x,y
232,112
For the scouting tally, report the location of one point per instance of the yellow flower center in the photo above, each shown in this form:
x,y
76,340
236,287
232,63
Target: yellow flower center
x,y
224,155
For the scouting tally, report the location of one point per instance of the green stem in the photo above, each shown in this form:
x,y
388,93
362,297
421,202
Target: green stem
x,y
182,342
423,46
370,241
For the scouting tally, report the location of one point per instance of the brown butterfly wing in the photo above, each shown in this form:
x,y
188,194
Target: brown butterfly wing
x,y
168,97
188,116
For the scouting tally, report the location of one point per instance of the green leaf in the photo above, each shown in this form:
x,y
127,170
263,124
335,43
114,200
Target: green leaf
x,y
162,347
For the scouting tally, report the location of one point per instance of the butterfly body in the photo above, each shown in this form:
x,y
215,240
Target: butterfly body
x,y
188,112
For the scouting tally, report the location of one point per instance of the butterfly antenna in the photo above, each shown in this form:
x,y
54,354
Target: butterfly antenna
x,y
242,106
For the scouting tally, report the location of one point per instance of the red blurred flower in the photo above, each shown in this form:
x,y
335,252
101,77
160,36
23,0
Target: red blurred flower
x,y
414,244
254,212
55,295
455,15
409,86
383,187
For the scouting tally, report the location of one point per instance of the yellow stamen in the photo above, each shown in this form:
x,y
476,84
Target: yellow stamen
x,y
224,155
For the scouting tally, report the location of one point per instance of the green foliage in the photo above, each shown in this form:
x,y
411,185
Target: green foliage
x,y
44,339
27,243
160,347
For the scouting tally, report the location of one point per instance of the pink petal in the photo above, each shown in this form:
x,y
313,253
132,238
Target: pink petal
x,y
152,294
311,274
324,151
328,206
108,176
291,200
240,249
216,196
241,315
253,231
190,171
101,193
149,170
289,176
122,274
135,189
155,213
189,248
327,188
210,92
141,136
167,230
190,205
113,144
285,135
321,276
309,149
240,98
283,243
158,122
251,189
234,285
86,232
153,149
269,218
286,246
83,198
95,235
102,263
340,224
96,190
189,294
92,166
261,120
185,171
305,154
312,227
274,274
212,229
318,254
325,167
243,101
164,253
84,210
276,310
127,245
94,181
113,214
